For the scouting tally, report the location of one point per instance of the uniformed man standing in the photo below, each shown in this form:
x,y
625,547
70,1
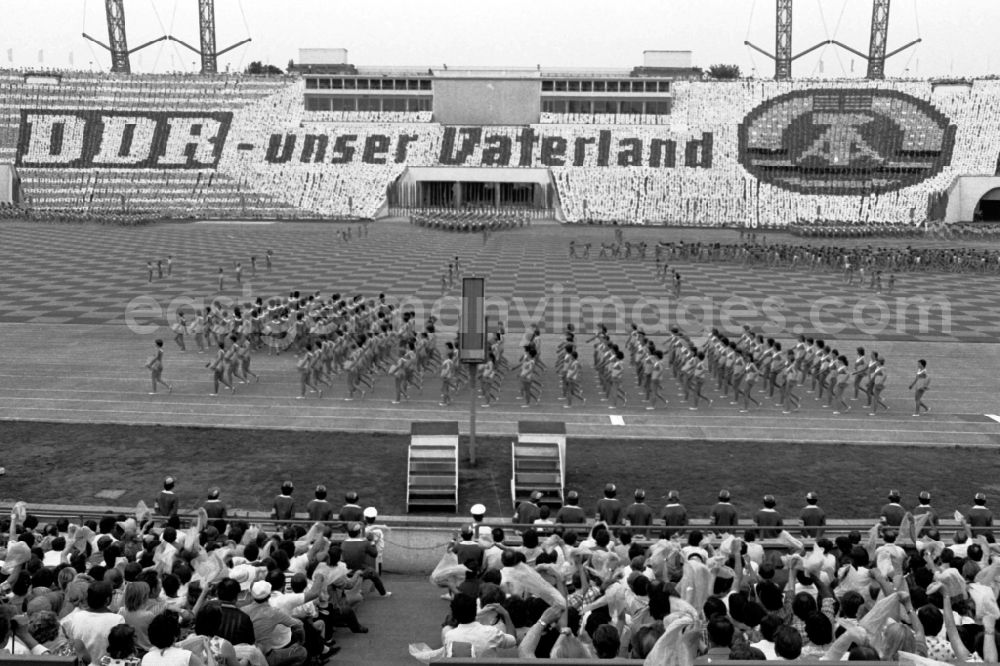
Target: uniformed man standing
x,y
892,512
812,516
724,514
674,514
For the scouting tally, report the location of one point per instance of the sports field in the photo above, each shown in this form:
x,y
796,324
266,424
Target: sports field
x,y
80,315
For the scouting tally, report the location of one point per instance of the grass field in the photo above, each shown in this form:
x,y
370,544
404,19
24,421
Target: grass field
x,y
70,463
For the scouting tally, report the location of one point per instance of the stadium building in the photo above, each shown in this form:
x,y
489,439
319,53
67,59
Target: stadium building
x,y
649,145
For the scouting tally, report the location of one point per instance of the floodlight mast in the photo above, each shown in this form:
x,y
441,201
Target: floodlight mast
x,y
878,41
118,45
782,56
206,28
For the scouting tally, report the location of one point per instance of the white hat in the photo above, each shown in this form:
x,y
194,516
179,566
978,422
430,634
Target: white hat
x,y
478,510
260,590
371,512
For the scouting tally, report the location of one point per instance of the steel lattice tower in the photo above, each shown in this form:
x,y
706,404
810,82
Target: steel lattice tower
x,y
206,25
117,42
783,39
876,47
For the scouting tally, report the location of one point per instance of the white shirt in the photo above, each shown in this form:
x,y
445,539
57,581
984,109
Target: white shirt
x,y
485,639
298,564
91,628
767,647
287,602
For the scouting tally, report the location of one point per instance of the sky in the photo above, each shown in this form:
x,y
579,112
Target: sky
x,y
956,35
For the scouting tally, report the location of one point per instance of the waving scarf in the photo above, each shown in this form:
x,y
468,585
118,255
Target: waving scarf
x,y
532,582
874,620
448,570
677,645
696,583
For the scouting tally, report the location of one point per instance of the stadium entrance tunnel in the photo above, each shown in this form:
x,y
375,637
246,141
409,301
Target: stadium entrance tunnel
x,y
474,189
973,198
988,208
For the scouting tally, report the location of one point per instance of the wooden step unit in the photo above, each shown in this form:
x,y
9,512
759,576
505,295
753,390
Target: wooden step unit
x,y
432,466
538,461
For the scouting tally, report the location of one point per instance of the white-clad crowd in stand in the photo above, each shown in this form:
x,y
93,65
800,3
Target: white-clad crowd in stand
x,y
367,116
655,188
605,118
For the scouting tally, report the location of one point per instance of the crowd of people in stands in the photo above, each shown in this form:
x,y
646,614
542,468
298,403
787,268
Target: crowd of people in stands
x,y
552,118
125,590
718,192
673,593
368,116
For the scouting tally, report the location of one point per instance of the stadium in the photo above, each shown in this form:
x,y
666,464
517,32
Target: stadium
x,y
651,243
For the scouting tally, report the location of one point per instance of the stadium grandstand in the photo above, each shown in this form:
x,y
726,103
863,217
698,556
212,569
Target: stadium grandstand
x,y
705,490
643,146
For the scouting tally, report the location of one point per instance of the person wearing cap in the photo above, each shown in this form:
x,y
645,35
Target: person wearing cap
x,y
924,507
279,635
166,501
359,554
351,512
319,509
812,516
638,513
375,534
768,519
571,513
609,507
214,507
892,512
674,514
980,518
527,511
482,532
284,505
723,513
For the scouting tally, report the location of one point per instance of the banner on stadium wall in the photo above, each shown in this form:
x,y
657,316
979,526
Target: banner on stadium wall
x,y
121,139
825,141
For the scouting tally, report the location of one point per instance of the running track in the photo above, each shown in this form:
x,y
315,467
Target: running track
x,y
70,356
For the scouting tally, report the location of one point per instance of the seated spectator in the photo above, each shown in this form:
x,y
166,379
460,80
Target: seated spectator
x,y
468,637
92,625
279,634
164,630
122,650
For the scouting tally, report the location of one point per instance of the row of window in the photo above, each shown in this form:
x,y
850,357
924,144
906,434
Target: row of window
x,y
367,103
627,106
379,103
548,85
350,83
603,85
